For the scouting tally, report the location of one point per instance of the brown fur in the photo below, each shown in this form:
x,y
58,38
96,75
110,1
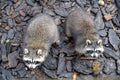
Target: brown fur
x,y
80,26
41,33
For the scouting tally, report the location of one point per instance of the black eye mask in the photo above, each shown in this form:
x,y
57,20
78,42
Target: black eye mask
x,y
89,52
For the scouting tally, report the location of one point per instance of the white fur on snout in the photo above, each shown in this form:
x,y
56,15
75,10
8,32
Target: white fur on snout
x,y
32,66
95,54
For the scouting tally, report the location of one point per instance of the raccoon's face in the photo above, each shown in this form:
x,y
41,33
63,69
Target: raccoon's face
x,y
34,57
94,48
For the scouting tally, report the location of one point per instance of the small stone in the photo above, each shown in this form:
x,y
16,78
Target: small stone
x,y
4,36
102,32
61,11
116,21
50,63
114,39
49,73
101,2
69,66
109,53
30,2
4,52
10,22
11,33
51,2
22,12
7,75
99,21
109,67
81,2
22,72
82,66
66,74
108,17
61,63
118,66
109,24
48,11
12,59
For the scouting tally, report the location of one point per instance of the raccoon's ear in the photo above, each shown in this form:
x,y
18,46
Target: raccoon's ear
x,y
99,42
39,52
26,51
88,42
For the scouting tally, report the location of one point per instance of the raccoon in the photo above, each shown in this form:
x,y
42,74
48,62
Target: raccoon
x,y
81,27
41,33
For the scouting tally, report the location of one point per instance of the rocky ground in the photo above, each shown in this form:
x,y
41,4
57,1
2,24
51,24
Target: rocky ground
x,y
14,18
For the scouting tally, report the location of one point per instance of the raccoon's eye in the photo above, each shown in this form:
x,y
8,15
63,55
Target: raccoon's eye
x,y
37,62
26,51
98,51
28,62
89,51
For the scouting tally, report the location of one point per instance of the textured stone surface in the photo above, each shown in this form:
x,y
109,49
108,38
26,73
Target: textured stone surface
x,y
114,39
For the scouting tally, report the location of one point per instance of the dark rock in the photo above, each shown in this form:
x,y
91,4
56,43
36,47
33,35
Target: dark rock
x,y
22,72
65,0
4,36
7,75
7,9
102,32
103,11
69,66
81,3
109,24
36,10
54,52
49,73
66,5
30,2
109,53
50,63
82,66
105,41
109,66
48,11
0,56
4,55
94,3
10,22
51,2
118,3
94,10
61,11
113,39
1,77
118,66
11,33
116,21
61,63
66,75
99,21
12,59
